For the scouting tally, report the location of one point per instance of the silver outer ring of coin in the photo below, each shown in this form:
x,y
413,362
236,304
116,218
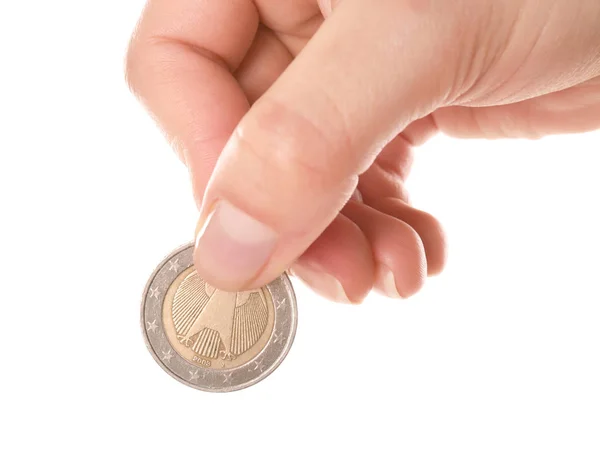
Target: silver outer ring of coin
x,y
196,376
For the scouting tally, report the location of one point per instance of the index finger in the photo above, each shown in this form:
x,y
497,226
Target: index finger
x,y
180,63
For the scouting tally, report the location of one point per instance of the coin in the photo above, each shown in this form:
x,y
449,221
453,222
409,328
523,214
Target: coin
x,y
210,339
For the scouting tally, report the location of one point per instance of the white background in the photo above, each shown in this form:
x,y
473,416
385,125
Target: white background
x,y
497,359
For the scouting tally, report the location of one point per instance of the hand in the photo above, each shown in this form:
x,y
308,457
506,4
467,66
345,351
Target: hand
x,y
297,119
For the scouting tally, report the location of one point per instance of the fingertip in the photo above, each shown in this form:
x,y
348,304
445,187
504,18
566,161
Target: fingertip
x,y
385,282
428,228
322,282
395,285
401,265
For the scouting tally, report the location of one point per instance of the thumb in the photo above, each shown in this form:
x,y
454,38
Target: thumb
x,y
294,159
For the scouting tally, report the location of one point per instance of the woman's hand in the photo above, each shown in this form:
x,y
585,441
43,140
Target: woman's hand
x,y
297,120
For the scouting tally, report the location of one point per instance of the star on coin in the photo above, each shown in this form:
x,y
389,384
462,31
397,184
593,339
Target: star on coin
x,y
258,365
167,356
277,338
154,292
174,265
227,378
152,326
194,375
279,303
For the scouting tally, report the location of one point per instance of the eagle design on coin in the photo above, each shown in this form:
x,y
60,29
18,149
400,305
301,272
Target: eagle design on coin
x,y
215,323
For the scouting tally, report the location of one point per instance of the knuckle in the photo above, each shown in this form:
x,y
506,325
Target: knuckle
x,y
144,62
134,64
379,182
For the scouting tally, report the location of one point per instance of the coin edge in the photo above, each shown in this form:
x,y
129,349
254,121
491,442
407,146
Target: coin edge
x,y
292,333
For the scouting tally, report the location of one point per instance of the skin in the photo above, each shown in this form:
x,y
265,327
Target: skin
x,y
297,120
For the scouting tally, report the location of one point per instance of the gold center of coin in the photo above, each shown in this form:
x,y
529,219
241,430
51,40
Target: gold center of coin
x,y
213,328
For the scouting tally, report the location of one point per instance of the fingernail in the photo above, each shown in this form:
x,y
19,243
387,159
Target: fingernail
x,y
232,247
357,196
386,282
321,282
